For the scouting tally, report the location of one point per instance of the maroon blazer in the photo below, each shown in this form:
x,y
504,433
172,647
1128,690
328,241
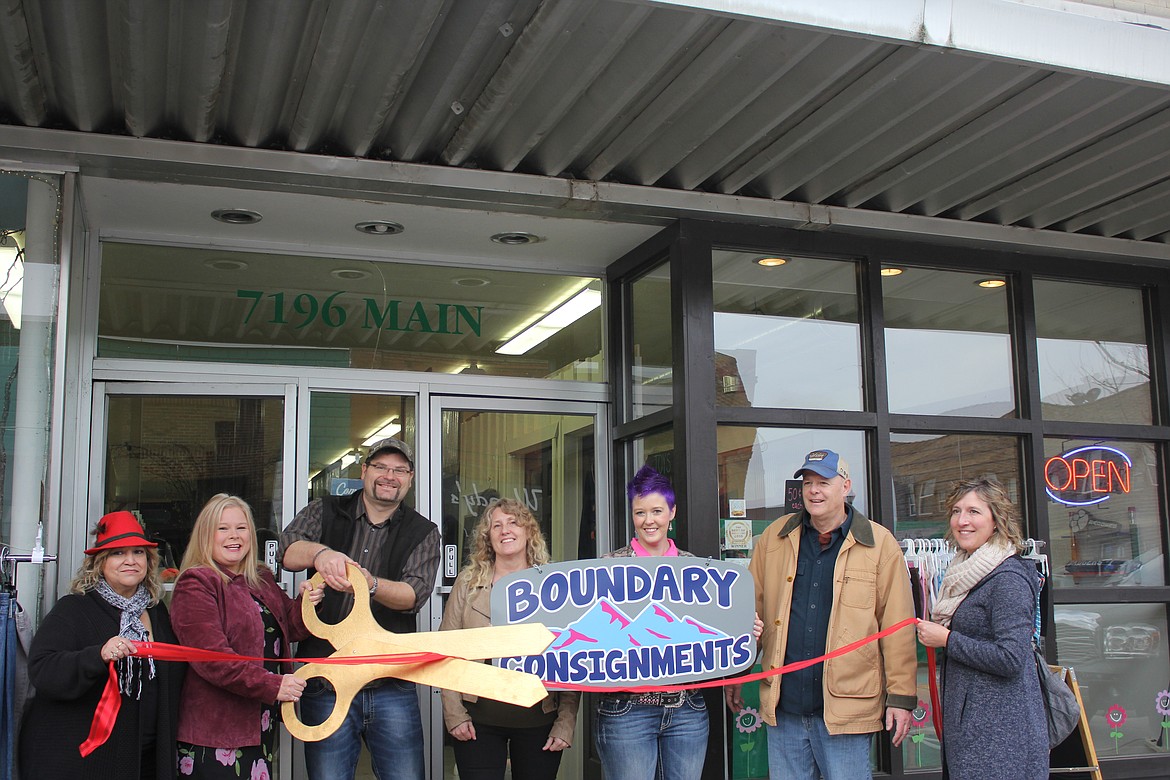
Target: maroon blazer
x,y
220,706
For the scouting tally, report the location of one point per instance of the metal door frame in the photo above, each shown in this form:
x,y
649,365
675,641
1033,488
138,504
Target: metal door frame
x,y
432,613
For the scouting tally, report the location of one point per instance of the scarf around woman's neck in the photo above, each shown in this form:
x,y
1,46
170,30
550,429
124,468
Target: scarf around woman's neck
x,y
964,573
130,626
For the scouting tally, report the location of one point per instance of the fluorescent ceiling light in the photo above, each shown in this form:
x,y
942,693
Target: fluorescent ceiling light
x,y
348,459
391,428
564,315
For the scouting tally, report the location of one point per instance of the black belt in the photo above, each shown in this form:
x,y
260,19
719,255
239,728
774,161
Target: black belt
x,y
668,699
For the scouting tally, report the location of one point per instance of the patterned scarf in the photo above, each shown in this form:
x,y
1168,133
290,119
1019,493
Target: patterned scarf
x,y
131,627
965,572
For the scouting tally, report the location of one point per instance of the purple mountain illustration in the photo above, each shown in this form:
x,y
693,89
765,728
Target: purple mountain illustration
x,y
605,627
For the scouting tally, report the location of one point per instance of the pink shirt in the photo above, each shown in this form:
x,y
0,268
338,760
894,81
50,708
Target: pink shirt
x,y
640,551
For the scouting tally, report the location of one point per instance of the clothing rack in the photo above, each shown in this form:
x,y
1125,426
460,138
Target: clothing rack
x,y
9,561
926,560
9,708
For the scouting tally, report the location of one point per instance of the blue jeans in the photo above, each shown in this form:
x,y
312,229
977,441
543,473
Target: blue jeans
x,y
639,742
387,717
801,748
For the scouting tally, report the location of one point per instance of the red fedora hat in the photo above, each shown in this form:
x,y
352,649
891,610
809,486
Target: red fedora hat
x,y
117,530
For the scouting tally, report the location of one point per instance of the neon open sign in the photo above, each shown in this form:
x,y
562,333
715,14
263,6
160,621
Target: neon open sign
x,y
1087,475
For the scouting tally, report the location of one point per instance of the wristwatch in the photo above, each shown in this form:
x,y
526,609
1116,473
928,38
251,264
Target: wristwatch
x,y
374,587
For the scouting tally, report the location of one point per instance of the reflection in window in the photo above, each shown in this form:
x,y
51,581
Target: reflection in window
x,y
657,451
772,316
342,426
1094,362
167,455
1104,513
543,461
224,306
756,467
925,466
1120,656
29,217
652,359
948,344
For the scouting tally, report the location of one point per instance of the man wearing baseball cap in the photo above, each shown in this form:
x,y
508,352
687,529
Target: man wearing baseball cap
x,y
827,576
398,552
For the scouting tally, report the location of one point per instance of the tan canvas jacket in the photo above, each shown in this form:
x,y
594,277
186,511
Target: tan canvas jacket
x,y
871,591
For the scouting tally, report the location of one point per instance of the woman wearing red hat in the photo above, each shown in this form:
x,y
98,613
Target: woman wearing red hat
x,y
113,603
226,601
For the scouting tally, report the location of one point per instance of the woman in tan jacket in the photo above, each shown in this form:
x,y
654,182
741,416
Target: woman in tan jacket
x,y
486,733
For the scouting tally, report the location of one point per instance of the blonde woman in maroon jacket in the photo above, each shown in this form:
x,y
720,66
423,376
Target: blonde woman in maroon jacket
x,y
225,601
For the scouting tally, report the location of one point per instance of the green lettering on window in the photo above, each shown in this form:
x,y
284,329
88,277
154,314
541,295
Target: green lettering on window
x,y
465,314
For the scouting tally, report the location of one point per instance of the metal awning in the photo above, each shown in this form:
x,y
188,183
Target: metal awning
x,y
765,101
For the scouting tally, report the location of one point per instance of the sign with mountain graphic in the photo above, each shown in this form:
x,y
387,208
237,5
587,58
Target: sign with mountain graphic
x,y
622,622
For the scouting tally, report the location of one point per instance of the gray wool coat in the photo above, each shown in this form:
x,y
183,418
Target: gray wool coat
x,y
994,725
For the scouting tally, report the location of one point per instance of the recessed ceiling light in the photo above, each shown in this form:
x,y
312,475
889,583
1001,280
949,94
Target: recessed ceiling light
x,y
225,264
516,238
770,262
470,281
237,216
348,274
379,227
991,284
890,270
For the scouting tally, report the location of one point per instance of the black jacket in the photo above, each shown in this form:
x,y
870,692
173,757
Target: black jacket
x,y
339,525
66,667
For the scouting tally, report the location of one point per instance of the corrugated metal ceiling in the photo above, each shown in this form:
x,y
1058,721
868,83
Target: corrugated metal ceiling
x,y
607,90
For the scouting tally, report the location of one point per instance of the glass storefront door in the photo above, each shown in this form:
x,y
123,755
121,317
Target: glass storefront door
x,y
546,456
167,449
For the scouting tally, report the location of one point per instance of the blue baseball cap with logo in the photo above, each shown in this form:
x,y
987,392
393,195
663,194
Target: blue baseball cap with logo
x,y
826,463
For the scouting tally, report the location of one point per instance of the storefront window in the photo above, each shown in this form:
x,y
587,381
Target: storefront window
x,y
777,313
1104,513
1093,353
924,468
657,451
756,487
652,356
199,304
756,467
948,343
29,271
166,455
343,426
1120,655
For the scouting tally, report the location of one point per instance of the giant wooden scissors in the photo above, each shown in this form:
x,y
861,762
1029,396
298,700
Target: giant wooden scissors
x,y
360,635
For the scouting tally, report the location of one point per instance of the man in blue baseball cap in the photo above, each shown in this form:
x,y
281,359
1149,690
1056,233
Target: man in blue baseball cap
x,y
825,577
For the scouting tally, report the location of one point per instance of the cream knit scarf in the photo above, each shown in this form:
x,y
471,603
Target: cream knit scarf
x,y
965,572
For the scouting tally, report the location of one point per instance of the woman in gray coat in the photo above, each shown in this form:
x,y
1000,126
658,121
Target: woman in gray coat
x,y
993,715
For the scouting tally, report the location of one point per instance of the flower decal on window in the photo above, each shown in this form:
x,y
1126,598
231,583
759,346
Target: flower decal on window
x,y
748,720
1116,717
918,718
920,714
1162,705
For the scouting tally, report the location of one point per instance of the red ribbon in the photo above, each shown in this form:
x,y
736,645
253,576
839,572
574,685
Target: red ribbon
x,y
111,700
792,667
935,699
104,716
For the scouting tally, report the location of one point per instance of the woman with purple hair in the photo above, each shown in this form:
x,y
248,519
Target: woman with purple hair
x,y
651,734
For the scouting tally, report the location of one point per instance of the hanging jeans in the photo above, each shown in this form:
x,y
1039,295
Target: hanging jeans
x,y
8,683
